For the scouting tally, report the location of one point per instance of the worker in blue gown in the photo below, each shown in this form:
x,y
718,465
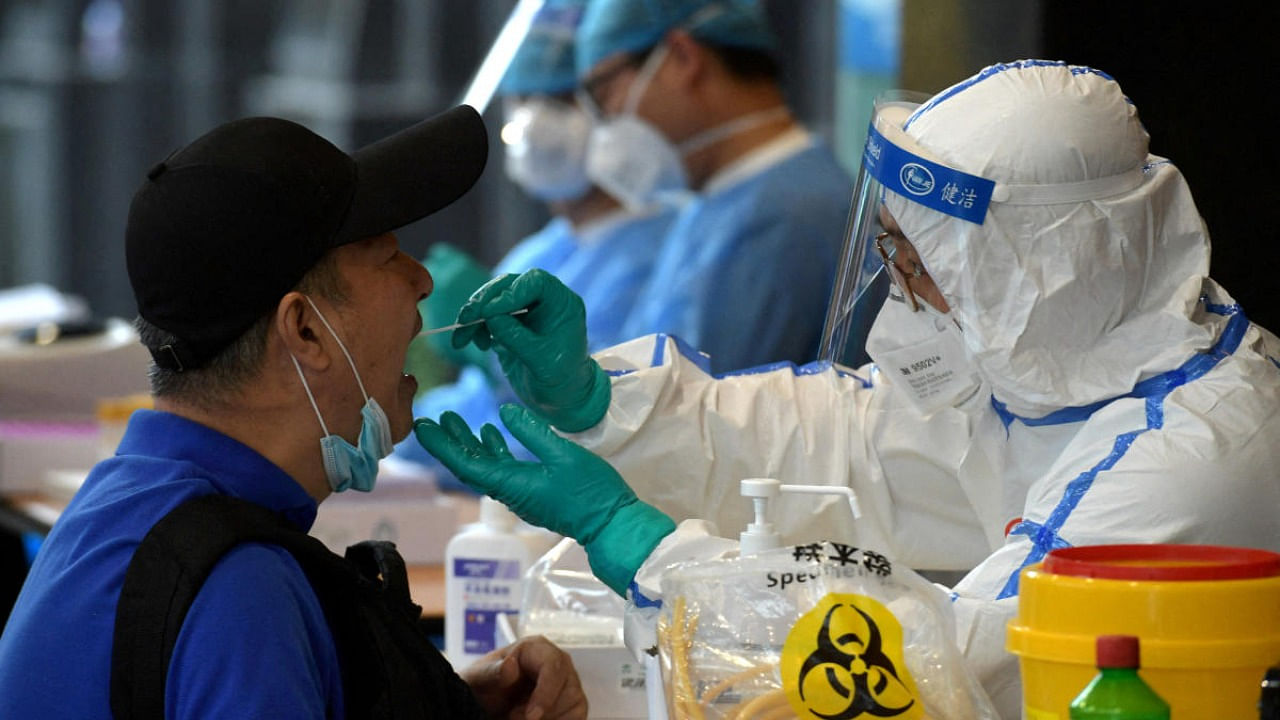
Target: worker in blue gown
x,y
602,249
690,88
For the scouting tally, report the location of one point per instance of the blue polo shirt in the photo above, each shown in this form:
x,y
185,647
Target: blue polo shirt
x,y
255,643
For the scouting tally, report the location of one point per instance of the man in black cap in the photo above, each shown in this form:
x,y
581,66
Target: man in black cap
x,y
278,309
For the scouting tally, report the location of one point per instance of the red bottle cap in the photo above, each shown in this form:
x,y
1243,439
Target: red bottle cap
x,y
1117,651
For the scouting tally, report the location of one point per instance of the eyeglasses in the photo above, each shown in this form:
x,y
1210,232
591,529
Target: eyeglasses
x,y
898,275
594,86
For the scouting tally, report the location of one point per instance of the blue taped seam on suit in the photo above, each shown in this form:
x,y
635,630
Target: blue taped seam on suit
x,y
1158,385
659,350
659,354
816,367
691,354
1045,537
1039,534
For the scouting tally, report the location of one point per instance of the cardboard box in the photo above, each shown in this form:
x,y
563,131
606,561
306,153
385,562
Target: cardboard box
x,y
612,678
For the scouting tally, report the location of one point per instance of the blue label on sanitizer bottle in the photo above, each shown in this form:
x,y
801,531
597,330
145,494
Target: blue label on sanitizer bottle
x,y
489,587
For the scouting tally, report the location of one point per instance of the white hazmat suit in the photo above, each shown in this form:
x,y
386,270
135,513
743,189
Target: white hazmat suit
x,y
1126,396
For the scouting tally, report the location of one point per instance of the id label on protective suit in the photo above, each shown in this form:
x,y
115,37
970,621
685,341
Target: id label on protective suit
x,y
932,374
844,659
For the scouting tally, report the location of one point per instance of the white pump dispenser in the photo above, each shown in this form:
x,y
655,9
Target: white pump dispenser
x,y
760,535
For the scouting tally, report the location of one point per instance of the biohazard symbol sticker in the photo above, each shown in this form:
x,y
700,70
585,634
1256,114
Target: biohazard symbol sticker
x,y
843,661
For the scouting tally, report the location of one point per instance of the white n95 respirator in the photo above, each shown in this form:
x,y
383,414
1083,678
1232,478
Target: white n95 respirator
x,y
923,355
546,145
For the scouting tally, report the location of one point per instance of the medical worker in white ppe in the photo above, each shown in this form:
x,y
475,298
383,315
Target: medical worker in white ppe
x,y
602,250
1084,380
690,90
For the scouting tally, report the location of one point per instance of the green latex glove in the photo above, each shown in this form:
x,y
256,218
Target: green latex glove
x,y
543,352
572,491
455,275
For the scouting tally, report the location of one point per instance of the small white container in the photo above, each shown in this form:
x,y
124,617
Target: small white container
x,y
485,565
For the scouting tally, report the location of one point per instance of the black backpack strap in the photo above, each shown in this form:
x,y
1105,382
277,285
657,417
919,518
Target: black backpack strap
x,y
422,683
390,669
177,553
379,560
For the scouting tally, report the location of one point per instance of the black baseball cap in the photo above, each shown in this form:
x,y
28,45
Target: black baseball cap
x,y
223,228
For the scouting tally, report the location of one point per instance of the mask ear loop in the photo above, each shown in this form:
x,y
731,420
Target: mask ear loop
x,y
383,429
740,124
342,347
638,87
305,386
594,111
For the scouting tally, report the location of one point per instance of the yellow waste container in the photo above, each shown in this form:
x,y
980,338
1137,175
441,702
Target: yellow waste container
x,y
1208,618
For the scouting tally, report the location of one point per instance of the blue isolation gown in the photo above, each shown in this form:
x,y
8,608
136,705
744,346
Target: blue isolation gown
x,y
746,270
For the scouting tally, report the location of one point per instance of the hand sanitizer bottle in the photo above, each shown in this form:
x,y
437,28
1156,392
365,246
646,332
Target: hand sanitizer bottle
x,y
485,565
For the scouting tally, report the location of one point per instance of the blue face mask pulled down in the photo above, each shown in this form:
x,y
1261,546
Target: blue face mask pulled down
x,y
345,466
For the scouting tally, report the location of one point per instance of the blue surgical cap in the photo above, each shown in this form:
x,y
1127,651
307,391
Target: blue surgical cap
x,y
613,26
543,64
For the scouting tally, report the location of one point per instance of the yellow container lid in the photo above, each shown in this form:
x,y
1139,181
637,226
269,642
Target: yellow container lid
x,y
1191,605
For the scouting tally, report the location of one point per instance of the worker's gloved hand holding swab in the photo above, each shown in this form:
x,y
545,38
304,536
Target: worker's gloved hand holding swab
x,y
544,351
615,527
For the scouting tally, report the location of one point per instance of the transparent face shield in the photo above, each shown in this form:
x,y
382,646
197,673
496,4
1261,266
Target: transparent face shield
x,y
873,268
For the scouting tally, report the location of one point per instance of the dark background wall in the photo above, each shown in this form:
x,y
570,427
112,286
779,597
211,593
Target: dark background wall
x,y
74,140
1204,77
